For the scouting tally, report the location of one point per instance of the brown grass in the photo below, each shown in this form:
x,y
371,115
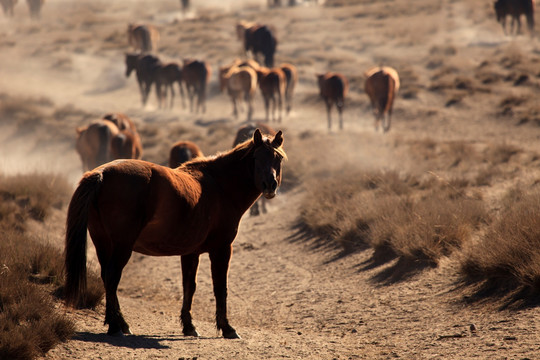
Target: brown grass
x,y
31,271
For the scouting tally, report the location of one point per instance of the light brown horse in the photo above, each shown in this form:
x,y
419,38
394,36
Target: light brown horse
x,y
34,6
196,75
333,89
245,133
183,151
8,6
143,37
291,75
272,83
240,82
382,85
102,141
133,205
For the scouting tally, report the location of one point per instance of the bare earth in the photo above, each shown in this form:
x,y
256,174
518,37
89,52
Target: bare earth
x,y
288,297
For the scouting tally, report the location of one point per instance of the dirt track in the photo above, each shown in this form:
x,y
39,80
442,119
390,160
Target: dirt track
x,y
288,298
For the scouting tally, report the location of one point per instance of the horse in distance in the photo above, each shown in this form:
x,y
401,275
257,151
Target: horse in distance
x,y
291,75
196,75
259,39
240,83
94,143
183,151
8,7
34,7
333,88
382,86
272,83
169,74
143,37
514,9
127,143
134,205
147,69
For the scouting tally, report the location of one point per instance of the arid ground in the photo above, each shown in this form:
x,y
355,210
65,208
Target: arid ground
x,y
290,295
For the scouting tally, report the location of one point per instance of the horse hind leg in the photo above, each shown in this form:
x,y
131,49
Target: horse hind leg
x,y
190,264
111,272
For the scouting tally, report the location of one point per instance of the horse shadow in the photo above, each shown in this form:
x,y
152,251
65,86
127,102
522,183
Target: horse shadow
x,y
132,341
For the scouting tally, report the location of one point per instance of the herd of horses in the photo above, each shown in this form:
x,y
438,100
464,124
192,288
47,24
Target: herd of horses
x,y
34,7
194,205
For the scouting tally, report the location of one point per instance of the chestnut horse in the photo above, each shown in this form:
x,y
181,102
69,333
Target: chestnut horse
x,y
333,89
196,75
104,140
245,133
147,69
183,151
8,6
143,38
134,205
291,75
382,85
515,8
272,83
240,82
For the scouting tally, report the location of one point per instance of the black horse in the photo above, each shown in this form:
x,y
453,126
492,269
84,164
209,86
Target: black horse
x,y
148,70
515,8
261,39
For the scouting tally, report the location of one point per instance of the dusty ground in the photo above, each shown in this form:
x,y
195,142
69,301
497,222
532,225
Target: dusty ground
x,y
462,80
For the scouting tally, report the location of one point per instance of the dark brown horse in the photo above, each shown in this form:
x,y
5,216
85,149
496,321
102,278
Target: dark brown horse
x,y
8,6
514,9
147,68
245,133
34,6
183,151
127,143
333,89
133,205
291,74
272,83
382,86
196,75
169,74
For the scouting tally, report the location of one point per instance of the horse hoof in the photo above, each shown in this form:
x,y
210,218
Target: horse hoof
x,y
231,335
193,333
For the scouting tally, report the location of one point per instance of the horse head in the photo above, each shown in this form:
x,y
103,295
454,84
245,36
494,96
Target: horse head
x,y
131,63
268,156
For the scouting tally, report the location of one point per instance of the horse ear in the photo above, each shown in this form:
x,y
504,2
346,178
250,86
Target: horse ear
x,y
257,137
278,139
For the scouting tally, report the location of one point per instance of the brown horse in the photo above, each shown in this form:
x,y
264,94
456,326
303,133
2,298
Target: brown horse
x,y
127,144
272,83
245,133
103,140
148,70
240,82
183,151
133,205
8,6
382,86
169,74
143,38
291,75
515,8
196,75
333,89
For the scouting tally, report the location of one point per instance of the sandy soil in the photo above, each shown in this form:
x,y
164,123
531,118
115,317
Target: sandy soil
x,y
288,297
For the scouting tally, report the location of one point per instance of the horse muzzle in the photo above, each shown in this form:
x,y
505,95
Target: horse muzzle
x,y
269,194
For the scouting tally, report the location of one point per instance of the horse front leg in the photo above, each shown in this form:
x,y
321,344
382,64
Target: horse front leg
x,y
328,110
190,264
220,259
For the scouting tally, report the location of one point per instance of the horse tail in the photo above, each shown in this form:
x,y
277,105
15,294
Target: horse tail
x,y
340,88
146,39
75,246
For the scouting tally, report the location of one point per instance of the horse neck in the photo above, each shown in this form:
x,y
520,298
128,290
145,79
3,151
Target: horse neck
x,y
233,173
